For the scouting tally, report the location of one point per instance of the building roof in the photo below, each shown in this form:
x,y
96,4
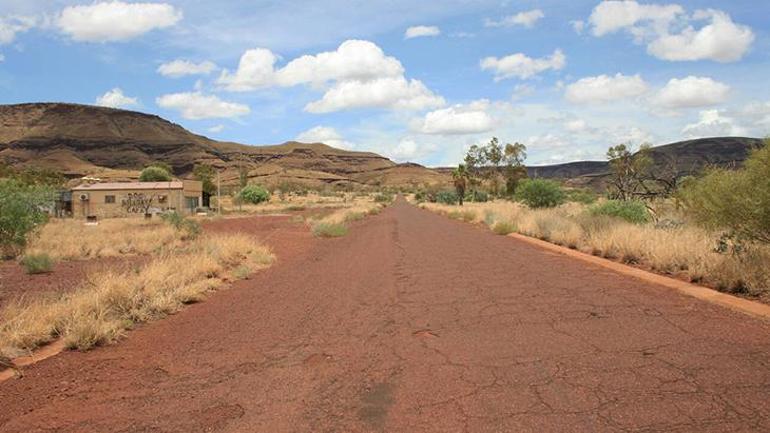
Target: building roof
x,y
110,186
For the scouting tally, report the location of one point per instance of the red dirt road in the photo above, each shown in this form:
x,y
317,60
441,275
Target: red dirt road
x,y
414,323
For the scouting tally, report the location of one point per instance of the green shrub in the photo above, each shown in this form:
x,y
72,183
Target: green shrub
x,y
254,194
503,228
477,196
540,193
190,229
738,201
22,210
329,230
582,195
420,196
154,173
630,210
37,263
295,207
383,198
447,197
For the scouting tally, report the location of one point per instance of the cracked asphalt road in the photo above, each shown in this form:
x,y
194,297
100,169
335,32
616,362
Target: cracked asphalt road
x,y
414,323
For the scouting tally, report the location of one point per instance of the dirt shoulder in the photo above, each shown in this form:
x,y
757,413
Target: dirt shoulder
x,y
413,322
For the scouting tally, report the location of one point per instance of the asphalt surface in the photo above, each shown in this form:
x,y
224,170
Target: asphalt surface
x,y
414,323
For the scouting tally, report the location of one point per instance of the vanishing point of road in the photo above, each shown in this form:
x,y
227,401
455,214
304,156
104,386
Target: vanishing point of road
x,y
413,323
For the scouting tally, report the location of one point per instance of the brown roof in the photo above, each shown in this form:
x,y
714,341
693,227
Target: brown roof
x,y
128,186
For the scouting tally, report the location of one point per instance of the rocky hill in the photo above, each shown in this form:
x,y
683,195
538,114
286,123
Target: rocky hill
x,y
80,140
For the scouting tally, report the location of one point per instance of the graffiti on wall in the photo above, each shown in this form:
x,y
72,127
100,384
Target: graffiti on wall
x,y
137,202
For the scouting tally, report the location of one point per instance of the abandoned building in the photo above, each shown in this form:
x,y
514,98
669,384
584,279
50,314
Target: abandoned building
x,y
122,199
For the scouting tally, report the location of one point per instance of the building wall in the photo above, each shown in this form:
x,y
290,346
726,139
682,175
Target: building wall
x,y
127,203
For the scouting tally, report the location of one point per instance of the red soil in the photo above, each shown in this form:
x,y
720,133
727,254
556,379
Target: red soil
x,y
414,322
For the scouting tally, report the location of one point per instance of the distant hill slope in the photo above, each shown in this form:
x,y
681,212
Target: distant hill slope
x,y
85,140
114,144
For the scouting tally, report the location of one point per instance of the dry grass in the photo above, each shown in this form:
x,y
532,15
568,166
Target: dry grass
x,y
334,224
686,249
71,239
111,302
279,204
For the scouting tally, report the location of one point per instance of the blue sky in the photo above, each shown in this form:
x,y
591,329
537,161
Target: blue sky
x,y
416,81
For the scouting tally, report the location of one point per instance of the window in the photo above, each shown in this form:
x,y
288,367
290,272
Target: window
x,y
192,202
109,199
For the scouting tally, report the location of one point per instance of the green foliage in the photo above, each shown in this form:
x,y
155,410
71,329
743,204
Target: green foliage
x,y
155,174
22,210
447,197
383,198
205,174
477,196
503,228
496,165
190,229
254,194
540,193
738,201
37,263
632,211
163,165
461,179
329,230
582,195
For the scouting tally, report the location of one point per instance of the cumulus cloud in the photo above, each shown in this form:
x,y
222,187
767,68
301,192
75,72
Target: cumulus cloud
x,y
180,68
408,149
10,26
116,99
670,33
458,119
712,123
216,129
421,31
397,93
357,74
352,60
521,66
525,19
692,92
326,135
115,20
605,88
196,106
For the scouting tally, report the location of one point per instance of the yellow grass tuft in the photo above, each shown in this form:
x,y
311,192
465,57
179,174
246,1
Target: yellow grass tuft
x,y
110,302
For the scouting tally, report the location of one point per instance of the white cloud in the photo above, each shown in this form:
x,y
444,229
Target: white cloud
x,y
408,149
722,40
421,31
758,113
605,88
196,105
353,60
10,26
575,125
116,20
216,129
2,57
522,90
712,123
521,66
395,93
458,119
578,26
526,19
180,68
326,135
669,33
116,99
692,92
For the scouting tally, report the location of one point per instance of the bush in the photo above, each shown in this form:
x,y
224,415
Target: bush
x,y
190,229
477,196
383,198
585,196
329,230
154,173
447,197
37,263
540,193
22,210
254,194
738,201
503,228
632,211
